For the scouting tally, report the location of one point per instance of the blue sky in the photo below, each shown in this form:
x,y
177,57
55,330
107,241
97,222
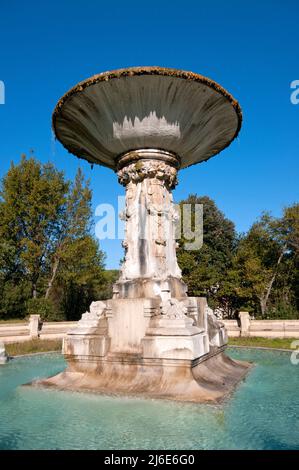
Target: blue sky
x,y
249,47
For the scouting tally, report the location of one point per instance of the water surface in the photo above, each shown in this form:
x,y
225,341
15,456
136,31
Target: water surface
x,y
263,413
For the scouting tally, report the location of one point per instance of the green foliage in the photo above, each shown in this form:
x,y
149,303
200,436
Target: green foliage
x,y
104,291
282,310
205,270
32,198
266,266
257,271
43,307
49,262
13,298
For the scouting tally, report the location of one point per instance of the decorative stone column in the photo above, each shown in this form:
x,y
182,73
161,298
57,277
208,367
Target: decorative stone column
x,y
150,265
34,326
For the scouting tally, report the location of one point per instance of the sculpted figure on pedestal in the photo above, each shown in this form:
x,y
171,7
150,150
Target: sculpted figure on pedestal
x,y
150,216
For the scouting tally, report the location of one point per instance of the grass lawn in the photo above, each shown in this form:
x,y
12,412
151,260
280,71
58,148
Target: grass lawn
x,y
279,343
33,346
14,320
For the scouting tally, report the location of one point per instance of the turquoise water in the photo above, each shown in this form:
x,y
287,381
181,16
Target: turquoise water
x,y
263,413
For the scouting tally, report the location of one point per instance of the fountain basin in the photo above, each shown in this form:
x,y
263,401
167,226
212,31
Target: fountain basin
x,y
115,112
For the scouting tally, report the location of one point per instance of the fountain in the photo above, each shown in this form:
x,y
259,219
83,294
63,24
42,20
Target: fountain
x,y
146,123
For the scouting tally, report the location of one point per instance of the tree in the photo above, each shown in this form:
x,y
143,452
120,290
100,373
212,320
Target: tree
x,y
73,230
265,258
285,296
205,270
14,288
105,289
289,228
32,198
257,271
46,242
79,277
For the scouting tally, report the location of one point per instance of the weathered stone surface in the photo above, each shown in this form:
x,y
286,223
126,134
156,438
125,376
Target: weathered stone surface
x,y
3,355
245,323
34,325
158,348
86,345
128,321
138,171
90,337
149,288
92,322
209,380
150,216
216,330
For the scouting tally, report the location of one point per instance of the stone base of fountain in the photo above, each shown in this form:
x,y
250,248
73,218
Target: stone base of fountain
x,y
137,347
210,379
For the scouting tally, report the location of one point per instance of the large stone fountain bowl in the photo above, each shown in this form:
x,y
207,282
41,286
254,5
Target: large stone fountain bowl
x,y
112,113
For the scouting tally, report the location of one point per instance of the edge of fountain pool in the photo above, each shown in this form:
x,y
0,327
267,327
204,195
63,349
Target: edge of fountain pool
x,y
229,348
34,354
259,347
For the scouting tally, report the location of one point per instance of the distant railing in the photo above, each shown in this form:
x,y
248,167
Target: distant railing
x,y
262,328
34,328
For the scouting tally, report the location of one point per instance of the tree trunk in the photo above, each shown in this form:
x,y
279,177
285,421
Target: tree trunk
x,y
265,298
263,305
52,279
